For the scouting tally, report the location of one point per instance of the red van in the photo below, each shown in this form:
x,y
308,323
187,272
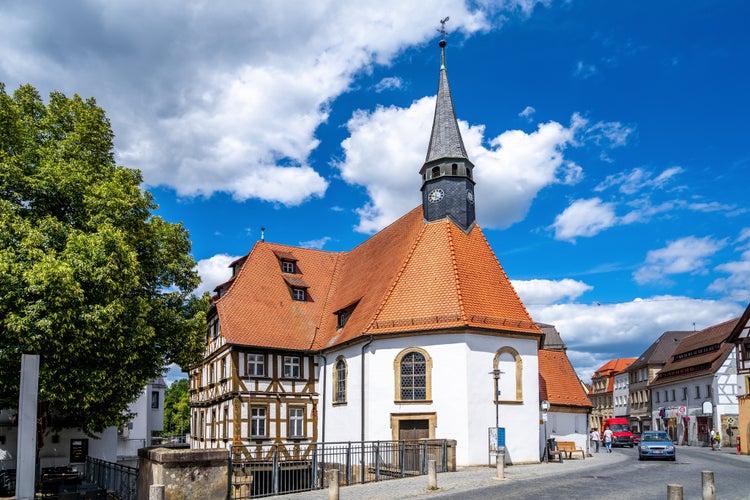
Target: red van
x,y
620,430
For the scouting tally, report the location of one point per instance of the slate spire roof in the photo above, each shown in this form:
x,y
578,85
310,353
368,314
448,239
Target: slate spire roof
x,y
445,140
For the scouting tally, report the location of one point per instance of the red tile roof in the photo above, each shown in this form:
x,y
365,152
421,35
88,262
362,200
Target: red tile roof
x,y
609,369
558,382
410,277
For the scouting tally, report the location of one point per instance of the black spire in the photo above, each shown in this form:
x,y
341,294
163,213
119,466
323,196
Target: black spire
x,y
447,184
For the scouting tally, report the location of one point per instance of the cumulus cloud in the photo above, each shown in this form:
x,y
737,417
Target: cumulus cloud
x,y
546,292
686,255
737,285
235,113
600,332
528,113
509,174
584,218
214,271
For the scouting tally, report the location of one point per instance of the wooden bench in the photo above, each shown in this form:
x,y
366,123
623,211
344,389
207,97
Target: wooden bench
x,y
569,447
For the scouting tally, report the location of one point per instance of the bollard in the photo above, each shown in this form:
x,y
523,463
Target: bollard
x,y
709,487
156,492
431,475
674,492
333,484
500,464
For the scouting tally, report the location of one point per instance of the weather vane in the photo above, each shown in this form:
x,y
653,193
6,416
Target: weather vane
x,y
442,29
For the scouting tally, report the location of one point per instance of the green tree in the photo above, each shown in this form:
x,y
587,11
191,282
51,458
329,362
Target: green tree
x,y
90,279
177,408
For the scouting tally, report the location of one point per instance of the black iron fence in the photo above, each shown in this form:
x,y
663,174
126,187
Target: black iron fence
x,y
265,470
120,481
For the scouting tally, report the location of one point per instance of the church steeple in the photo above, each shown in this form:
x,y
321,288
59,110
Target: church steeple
x,y
447,183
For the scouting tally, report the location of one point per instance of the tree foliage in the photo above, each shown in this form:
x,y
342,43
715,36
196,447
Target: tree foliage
x,y
177,407
90,279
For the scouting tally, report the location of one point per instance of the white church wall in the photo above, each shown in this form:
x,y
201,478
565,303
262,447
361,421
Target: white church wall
x,y
462,388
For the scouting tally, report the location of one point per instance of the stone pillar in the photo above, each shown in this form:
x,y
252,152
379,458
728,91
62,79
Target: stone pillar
x,y
184,473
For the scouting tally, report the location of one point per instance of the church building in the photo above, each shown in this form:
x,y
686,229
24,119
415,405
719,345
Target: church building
x,y
401,337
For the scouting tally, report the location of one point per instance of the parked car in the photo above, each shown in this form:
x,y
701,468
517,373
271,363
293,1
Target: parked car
x,y
656,444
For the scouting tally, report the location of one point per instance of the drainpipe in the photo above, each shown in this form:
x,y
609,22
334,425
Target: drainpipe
x,y
323,405
362,388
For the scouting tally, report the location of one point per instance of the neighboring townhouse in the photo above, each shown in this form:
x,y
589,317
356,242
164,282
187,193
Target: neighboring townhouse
x,y
399,338
740,337
602,388
696,390
621,395
148,419
643,371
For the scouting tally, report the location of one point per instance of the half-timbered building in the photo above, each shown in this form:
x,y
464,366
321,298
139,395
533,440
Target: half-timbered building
x,y
400,338
740,337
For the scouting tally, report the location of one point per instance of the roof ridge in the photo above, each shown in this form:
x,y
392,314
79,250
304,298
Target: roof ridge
x,y
456,278
396,280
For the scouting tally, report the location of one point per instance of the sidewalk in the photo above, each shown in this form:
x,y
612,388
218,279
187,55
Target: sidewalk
x,y
464,479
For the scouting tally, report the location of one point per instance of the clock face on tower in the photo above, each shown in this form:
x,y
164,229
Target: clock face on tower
x,y
470,196
436,195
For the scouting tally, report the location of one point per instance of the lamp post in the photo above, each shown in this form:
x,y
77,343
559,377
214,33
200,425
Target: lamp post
x,y
545,409
496,376
499,453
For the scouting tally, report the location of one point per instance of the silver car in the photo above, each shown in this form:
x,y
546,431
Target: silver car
x,y
656,444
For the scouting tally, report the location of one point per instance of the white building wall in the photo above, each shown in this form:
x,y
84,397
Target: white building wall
x,y
565,426
621,395
462,389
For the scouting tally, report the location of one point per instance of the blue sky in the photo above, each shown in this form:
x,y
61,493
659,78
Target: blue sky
x,y
609,138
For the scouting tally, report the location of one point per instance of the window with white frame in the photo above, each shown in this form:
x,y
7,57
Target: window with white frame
x,y
258,421
296,422
298,294
154,399
256,365
291,367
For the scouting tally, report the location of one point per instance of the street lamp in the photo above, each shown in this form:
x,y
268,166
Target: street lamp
x,y
545,409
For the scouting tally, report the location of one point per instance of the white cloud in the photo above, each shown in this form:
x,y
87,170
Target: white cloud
x,y
584,218
202,113
509,174
528,113
546,292
686,255
638,179
389,83
317,244
213,272
737,285
610,328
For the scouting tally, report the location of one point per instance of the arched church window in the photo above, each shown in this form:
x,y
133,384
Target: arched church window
x,y
339,381
468,172
413,375
435,172
454,169
510,383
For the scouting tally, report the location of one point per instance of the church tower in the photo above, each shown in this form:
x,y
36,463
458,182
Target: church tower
x,y
447,173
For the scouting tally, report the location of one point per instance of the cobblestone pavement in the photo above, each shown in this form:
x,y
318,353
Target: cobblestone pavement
x,y
470,478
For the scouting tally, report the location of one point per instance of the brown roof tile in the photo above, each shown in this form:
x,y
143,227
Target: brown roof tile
x,y
558,382
412,276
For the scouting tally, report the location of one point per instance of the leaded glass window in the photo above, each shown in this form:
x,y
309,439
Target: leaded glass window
x,y
413,377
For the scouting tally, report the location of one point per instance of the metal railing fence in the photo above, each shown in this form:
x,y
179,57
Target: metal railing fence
x,y
266,470
120,481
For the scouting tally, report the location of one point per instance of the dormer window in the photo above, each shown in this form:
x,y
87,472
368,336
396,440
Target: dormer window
x,y
214,328
299,294
287,266
342,315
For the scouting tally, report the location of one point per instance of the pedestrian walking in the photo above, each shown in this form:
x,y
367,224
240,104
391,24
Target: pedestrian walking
x,y
713,439
594,436
608,438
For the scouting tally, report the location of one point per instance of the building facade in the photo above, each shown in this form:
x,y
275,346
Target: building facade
x,y
696,390
740,337
396,339
602,390
643,371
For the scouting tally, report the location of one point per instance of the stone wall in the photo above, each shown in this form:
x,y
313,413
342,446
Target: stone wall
x,y
185,473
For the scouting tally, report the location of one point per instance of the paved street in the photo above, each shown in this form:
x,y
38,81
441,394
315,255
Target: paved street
x,y
618,475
